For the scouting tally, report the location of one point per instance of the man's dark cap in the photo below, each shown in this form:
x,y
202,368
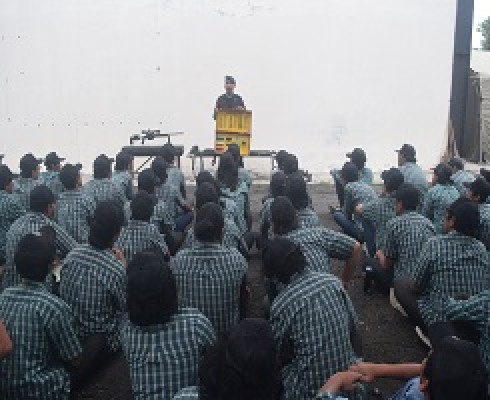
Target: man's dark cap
x,y
357,154
69,173
479,187
29,163
123,160
229,80
456,163
53,159
102,161
407,151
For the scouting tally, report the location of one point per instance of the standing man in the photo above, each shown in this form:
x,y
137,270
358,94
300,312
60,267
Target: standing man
x,y
230,100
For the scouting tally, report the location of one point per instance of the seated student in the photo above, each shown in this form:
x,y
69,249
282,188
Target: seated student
x,y
355,193
280,158
140,234
478,192
460,177
244,176
175,177
41,326
405,236
317,244
122,175
412,173
298,194
162,342
451,265
74,209
242,365
5,342
42,206
439,197
358,157
102,188
10,208
380,212
278,187
93,279
453,370
51,177
210,276
206,193
312,318
28,179
170,198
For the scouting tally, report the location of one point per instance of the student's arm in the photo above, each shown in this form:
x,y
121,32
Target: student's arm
x,y
428,207
351,264
179,200
62,332
421,271
340,382
388,253
64,242
5,342
371,371
475,309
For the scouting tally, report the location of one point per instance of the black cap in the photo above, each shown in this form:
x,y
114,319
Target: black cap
x,y
479,187
357,154
456,163
103,160
69,175
408,151
53,159
123,160
29,163
229,80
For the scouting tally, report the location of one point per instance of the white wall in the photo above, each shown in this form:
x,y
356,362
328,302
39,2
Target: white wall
x,y
321,76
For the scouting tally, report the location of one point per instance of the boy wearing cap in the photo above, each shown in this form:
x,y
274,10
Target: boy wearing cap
x,y
41,211
139,234
51,177
230,100
478,192
28,179
439,197
122,176
42,328
162,342
459,176
10,208
412,173
74,209
102,188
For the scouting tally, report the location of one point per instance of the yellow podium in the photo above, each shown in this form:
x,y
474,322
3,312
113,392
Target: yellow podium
x,y
233,127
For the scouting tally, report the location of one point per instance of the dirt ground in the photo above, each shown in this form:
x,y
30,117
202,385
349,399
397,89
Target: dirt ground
x,y
387,337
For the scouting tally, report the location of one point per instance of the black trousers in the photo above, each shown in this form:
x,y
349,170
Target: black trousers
x,y
406,298
375,274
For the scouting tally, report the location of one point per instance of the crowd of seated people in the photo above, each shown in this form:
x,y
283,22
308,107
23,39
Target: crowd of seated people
x,y
139,269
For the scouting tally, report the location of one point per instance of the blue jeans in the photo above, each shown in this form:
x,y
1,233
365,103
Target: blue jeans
x,y
350,228
410,391
183,221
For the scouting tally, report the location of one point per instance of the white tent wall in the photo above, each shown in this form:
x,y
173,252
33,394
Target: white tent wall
x,y
321,76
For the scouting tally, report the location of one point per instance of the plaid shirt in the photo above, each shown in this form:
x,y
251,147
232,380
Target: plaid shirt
x,y
163,359
175,177
308,218
94,284
209,277
124,181
315,315
459,178
22,189
436,201
379,212
477,311
103,190
240,198
163,215
52,180
320,244
405,237
357,193
10,211
31,222
449,265
244,177
74,211
231,238
171,196
485,224
233,212
138,236
365,175
415,175
265,217
42,329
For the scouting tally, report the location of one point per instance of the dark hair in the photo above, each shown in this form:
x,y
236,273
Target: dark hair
x,y
297,192
40,198
142,206
34,255
281,259
206,193
168,153
283,215
279,184
443,173
106,224
393,179
69,176
280,158
234,150
290,164
159,167
102,167
152,290
123,161
409,196
209,223
242,365
207,177
350,172
466,217
6,177
456,371
147,181
227,173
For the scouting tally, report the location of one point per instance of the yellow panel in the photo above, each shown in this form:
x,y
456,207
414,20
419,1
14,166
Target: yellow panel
x,y
224,139
234,122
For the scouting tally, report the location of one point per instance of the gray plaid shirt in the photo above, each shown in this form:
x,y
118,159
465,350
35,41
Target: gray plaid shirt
x,y
22,189
42,329
357,193
485,224
308,218
436,201
52,180
379,212
103,190
163,359
10,211
94,285
124,181
209,277
449,265
416,176
461,177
